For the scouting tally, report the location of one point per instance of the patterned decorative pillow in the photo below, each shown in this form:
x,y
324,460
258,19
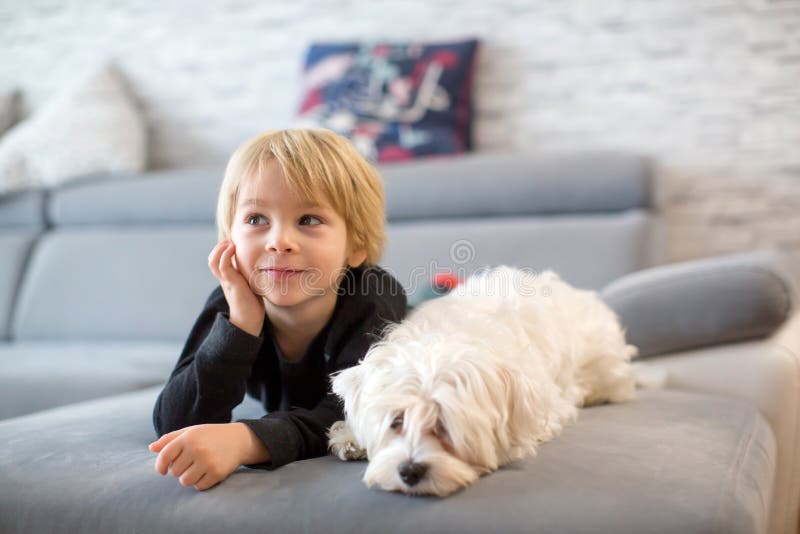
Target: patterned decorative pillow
x,y
394,101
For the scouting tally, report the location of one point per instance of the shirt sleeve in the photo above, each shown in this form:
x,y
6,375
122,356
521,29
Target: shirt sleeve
x,y
300,433
210,378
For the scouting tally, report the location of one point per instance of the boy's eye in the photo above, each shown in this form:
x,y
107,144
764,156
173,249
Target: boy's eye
x,y
310,220
255,219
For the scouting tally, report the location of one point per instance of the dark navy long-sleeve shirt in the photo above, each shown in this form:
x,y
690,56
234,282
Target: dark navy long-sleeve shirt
x,y
220,363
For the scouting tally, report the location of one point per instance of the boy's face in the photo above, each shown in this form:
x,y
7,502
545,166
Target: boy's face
x,y
273,229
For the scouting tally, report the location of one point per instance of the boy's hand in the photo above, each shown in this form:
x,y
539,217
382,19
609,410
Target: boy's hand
x,y
246,308
201,455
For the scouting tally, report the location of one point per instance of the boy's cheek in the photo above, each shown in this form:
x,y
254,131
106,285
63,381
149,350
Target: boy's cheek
x,y
250,276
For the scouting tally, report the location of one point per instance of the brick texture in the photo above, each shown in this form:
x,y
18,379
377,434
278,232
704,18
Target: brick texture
x,y
709,88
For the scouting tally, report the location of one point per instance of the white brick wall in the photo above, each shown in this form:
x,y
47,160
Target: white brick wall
x,y
710,88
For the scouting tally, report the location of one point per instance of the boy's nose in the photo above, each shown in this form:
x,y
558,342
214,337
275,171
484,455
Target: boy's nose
x,y
279,248
281,241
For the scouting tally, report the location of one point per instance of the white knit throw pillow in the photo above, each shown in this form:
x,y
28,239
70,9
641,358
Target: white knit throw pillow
x,y
91,127
8,110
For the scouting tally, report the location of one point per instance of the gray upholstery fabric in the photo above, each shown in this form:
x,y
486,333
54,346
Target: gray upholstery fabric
x,y
16,247
24,210
36,376
667,462
763,372
184,196
704,302
116,283
588,250
469,186
429,189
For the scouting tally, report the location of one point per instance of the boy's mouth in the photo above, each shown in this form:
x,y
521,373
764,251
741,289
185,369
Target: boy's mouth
x,y
283,270
278,272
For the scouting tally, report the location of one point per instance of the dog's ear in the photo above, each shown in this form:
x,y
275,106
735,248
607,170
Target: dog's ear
x,y
347,384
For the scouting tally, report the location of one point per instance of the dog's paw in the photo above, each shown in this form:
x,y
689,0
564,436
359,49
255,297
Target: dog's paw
x,y
349,452
342,443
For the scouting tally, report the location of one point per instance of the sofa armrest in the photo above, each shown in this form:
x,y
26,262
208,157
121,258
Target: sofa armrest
x,y
704,302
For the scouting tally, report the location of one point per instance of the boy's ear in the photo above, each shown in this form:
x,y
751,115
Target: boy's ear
x,y
356,258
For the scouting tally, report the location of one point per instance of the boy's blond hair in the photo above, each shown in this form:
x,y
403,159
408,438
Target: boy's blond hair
x,y
320,166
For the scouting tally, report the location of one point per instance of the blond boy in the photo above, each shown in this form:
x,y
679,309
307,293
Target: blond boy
x,y
300,217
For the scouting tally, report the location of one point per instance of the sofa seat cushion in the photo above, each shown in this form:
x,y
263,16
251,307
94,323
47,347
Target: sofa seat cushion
x,y
670,461
39,375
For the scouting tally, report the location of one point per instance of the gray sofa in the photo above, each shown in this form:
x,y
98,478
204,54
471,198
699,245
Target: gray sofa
x,y
100,282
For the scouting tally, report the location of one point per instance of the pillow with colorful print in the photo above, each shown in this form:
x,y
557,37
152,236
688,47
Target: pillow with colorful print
x,y
394,101
441,284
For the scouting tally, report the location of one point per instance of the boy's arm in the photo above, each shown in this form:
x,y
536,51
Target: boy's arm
x,y
210,377
255,452
292,435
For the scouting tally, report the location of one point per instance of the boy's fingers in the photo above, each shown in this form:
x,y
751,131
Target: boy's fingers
x,y
191,475
156,446
217,250
166,456
180,464
205,482
169,436
225,265
214,257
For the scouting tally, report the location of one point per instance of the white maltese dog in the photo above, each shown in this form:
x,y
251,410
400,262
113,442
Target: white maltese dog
x,y
478,378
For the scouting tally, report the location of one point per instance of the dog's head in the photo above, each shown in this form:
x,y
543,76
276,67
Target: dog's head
x,y
432,414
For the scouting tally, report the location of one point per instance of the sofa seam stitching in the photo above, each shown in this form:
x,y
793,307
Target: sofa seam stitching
x,y
734,472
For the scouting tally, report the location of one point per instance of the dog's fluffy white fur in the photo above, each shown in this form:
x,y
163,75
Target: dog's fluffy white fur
x,y
478,378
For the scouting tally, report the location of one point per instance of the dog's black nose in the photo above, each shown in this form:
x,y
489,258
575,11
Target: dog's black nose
x,y
411,472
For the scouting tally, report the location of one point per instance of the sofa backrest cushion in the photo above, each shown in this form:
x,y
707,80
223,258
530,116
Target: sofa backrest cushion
x,y
150,282
172,197
115,283
24,210
587,250
467,186
128,258
503,184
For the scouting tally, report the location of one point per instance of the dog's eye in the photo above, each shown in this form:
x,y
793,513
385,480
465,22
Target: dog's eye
x,y
439,430
397,423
